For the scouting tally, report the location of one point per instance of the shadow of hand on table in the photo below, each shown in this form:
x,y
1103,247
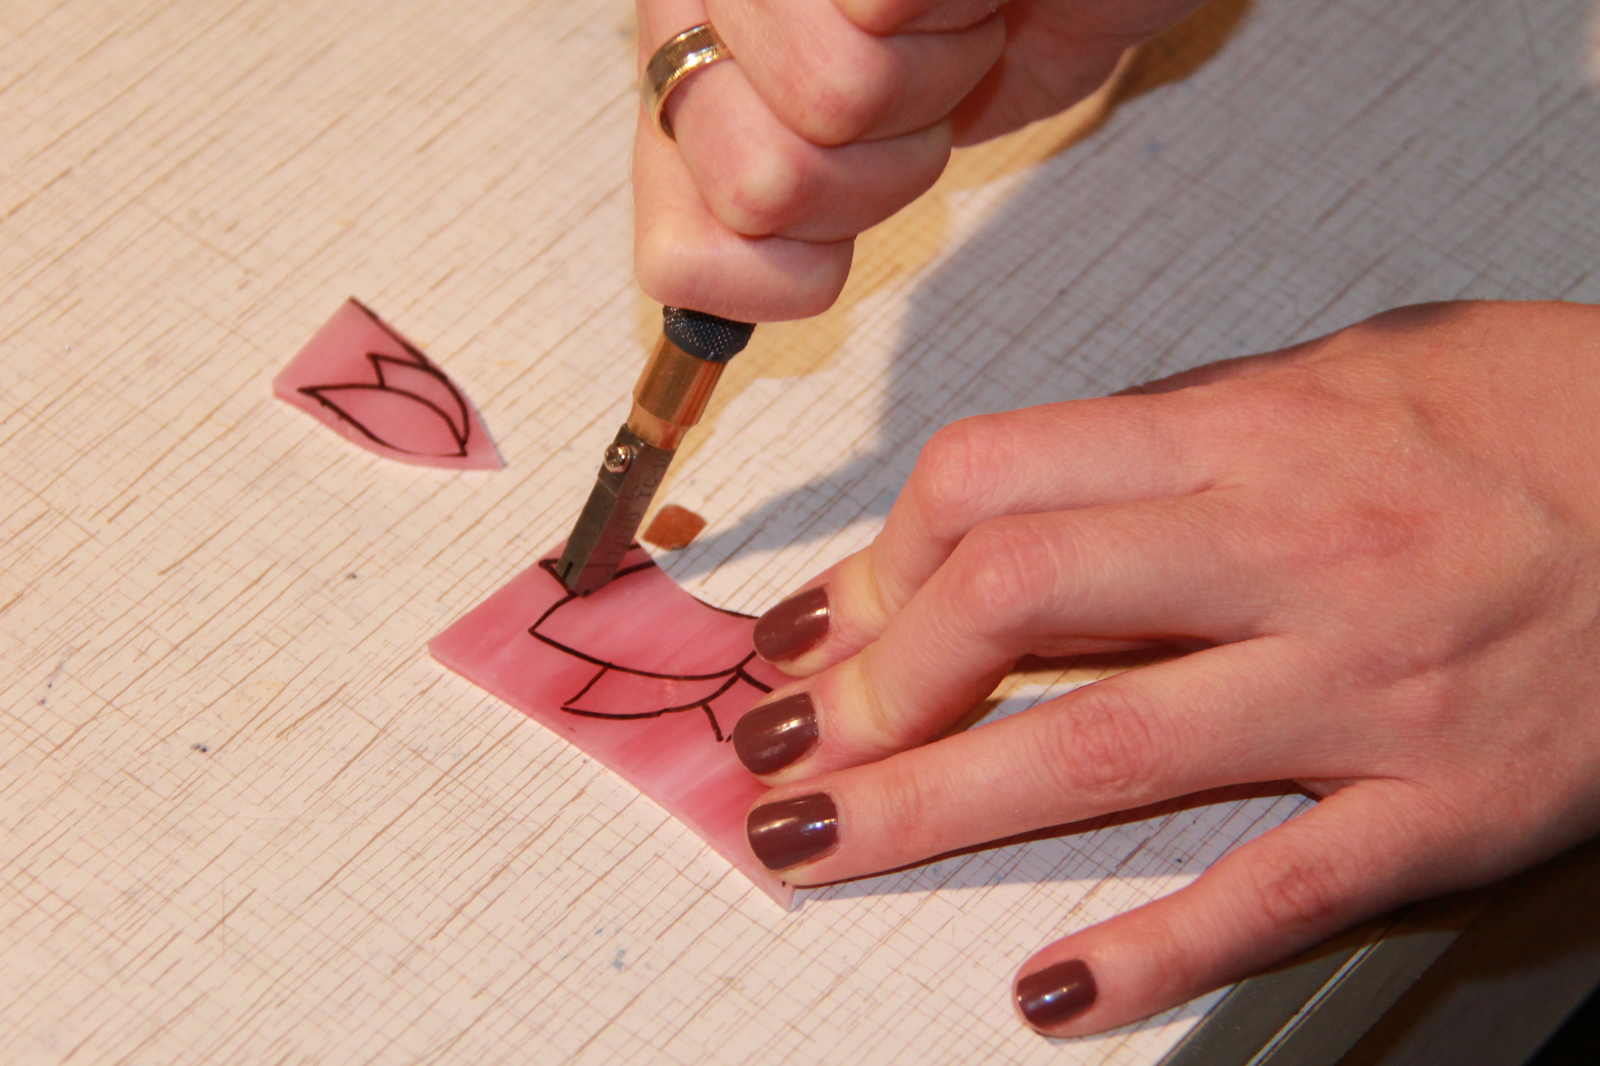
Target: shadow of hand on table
x,y
977,337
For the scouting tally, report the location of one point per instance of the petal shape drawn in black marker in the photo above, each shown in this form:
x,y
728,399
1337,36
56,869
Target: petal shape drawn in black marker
x,y
665,692
426,382
406,410
402,421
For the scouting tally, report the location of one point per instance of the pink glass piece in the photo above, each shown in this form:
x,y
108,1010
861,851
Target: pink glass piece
x,y
642,676
362,379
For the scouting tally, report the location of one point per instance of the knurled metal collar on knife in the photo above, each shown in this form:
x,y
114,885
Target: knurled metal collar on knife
x,y
669,398
694,49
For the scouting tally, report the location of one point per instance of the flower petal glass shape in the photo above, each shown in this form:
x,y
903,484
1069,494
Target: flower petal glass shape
x,y
640,675
361,378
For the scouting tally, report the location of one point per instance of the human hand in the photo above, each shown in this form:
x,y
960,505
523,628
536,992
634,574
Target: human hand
x,y
834,115
1382,549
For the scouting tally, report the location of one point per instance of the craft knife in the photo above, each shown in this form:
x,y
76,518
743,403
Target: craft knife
x,y
669,398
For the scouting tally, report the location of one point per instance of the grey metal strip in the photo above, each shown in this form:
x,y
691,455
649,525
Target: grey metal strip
x,y
1313,1009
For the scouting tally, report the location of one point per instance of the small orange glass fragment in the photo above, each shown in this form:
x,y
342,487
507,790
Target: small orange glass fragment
x,y
674,528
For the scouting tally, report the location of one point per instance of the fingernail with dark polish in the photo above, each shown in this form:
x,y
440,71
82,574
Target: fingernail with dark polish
x,y
789,832
1056,994
769,738
794,627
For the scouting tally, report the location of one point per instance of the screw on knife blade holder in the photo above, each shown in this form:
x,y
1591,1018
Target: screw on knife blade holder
x,y
668,400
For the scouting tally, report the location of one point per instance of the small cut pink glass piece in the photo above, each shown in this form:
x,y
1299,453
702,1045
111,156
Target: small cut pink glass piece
x,y
359,377
642,676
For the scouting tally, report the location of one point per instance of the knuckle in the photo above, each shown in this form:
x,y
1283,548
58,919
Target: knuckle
x,y
1304,893
1102,745
760,193
998,570
658,251
845,96
876,16
953,478
903,803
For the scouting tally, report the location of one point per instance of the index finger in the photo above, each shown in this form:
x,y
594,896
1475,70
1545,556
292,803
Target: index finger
x,y
1057,457
1167,439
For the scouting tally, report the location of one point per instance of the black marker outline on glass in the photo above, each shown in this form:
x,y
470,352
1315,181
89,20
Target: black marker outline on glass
x,y
734,674
459,431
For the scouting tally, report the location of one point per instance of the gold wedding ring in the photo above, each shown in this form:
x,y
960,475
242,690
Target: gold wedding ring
x,y
693,49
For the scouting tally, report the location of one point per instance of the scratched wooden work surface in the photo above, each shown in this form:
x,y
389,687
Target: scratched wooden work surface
x,y
247,820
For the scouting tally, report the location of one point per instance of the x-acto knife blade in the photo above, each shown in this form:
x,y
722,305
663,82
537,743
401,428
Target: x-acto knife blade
x,y
669,398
